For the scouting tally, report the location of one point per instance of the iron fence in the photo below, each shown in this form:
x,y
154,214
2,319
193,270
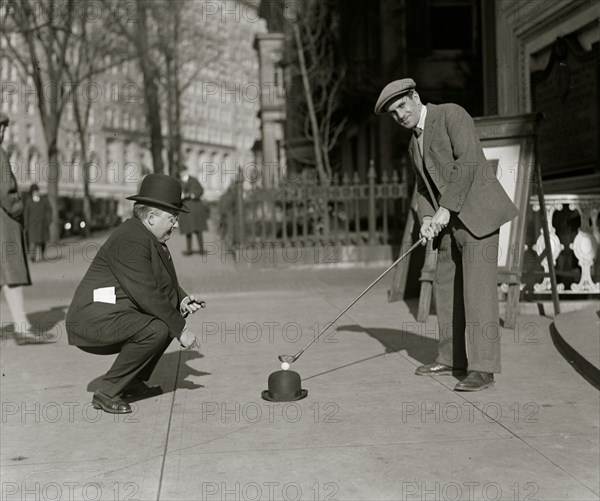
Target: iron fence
x,y
344,211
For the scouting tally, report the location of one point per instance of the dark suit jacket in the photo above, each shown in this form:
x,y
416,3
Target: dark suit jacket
x,y
135,263
464,181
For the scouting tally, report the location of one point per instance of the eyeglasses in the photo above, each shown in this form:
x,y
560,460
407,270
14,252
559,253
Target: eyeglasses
x,y
170,217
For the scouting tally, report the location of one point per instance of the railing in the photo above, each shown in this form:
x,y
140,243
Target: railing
x,y
584,244
343,212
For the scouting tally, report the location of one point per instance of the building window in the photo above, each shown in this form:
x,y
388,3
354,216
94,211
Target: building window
x,y
451,25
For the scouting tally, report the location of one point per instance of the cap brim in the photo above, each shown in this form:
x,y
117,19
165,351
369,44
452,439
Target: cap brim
x,y
381,108
267,396
158,204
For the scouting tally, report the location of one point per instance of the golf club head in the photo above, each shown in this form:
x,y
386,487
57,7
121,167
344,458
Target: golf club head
x,y
290,359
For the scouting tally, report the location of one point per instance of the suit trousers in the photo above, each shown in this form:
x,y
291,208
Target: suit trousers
x,y
467,299
137,357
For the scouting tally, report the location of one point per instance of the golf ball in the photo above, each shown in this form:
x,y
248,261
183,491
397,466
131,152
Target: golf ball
x,y
285,366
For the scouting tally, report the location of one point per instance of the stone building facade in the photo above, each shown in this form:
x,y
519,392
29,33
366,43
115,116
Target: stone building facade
x,y
480,54
220,122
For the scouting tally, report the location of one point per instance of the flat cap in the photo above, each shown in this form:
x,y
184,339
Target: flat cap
x,y
3,118
393,90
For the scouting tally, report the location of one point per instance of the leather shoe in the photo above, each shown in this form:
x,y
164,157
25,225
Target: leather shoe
x,y
112,405
436,369
141,389
475,381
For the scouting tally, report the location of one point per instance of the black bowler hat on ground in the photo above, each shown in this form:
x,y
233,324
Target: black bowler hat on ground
x,y
392,91
4,118
161,191
284,386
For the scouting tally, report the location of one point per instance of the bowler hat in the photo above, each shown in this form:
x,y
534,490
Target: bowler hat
x,y
4,118
393,90
162,191
284,386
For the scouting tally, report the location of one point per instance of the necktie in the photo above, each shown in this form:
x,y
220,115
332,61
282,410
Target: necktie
x,y
418,132
166,249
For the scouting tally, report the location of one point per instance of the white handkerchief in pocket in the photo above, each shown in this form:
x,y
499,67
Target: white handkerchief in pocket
x,y
105,295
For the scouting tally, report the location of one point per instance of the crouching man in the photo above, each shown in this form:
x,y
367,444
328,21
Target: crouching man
x,y
129,301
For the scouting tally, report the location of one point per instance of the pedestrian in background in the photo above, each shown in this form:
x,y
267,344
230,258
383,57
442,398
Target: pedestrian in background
x,y
14,270
37,223
462,203
195,222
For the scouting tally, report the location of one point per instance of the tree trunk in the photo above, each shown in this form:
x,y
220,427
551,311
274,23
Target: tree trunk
x,y
53,198
323,175
87,199
151,94
178,134
173,169
85,164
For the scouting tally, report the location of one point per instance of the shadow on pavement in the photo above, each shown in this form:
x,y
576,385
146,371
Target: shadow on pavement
x,y
162,374
43,322
417,346
48,318
583,367
421,347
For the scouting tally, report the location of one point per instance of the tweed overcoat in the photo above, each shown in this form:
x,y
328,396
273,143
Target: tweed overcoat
x,y
139,268
14,269
466,182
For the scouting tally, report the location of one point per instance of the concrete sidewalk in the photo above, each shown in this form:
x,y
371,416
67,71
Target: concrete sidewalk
x,y
368,430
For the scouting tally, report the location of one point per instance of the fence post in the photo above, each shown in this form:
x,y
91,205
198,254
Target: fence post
x,y
240,206
324,198
371,179
385,201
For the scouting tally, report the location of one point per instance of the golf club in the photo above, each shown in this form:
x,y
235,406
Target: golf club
x,y
290,359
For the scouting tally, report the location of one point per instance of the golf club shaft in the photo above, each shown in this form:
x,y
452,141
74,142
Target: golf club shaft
x,y
414,246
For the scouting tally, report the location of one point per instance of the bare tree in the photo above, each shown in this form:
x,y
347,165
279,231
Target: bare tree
x,y
315,28
37,35
140,34
186,48
89,49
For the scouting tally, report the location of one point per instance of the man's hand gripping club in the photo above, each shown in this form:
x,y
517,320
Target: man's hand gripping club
x,y
432,226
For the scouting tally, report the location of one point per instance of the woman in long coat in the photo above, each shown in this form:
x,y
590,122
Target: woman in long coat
x,y
14,272
37,222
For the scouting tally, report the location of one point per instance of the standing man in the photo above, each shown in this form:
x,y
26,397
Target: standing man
x,y
195,222
129,301
462,202
37,222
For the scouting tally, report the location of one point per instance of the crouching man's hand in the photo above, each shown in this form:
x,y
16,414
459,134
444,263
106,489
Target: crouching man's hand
x,y
191,304
188,340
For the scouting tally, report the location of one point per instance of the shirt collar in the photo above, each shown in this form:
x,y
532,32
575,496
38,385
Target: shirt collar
x,y
421,124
